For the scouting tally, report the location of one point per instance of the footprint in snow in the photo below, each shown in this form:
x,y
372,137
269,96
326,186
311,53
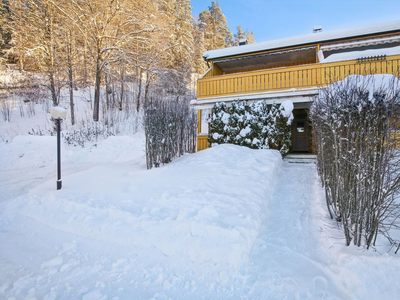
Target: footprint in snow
x,y
320,285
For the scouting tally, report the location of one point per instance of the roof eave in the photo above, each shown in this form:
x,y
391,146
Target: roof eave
x,y
326,39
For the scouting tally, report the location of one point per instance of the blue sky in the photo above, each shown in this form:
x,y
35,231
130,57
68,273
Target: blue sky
x,y
275,19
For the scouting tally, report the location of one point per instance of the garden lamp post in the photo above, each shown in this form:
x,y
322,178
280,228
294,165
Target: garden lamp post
x,y
58,113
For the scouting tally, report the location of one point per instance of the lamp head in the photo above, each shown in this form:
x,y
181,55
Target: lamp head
x,y
58,112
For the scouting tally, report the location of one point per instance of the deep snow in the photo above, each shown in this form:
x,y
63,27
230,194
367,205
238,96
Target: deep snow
x,y
225,223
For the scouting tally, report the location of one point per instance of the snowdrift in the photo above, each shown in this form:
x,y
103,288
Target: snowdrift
x,y
205,208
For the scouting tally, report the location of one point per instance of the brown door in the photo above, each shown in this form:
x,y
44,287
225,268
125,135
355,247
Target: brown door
x,y
300,135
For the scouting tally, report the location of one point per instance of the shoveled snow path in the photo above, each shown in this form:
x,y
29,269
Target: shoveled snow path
x,y
288,260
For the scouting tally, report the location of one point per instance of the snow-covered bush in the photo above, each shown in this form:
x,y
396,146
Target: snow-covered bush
x,y
356,132
238,128
217,123
171,131
280,131
252,125
260,124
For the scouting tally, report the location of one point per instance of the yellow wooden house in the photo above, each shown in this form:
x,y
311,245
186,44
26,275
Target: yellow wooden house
x,y
293,69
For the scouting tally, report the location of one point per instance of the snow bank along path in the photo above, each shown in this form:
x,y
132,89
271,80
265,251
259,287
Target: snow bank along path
x,y
206,207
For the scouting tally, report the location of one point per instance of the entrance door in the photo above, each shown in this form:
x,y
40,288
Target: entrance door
x,y
300,135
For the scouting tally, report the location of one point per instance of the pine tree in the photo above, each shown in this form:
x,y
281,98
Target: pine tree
x,y
199,65
239,35
215,27
249,37
180,41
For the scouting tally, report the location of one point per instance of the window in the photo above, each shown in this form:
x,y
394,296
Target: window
x,y
300,127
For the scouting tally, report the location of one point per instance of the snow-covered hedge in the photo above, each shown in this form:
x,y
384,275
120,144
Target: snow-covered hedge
x,y
253,125
358,139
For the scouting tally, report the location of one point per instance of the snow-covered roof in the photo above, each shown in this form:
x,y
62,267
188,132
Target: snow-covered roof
x,y
304,39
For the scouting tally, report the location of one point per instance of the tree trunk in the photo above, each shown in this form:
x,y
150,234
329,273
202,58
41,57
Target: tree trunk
x,y
121,99
71,93
139,91
146,90
96,102
71,82
53,89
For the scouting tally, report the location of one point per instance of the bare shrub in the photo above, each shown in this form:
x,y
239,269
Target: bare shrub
x,y
5,110
87,134
356,132
171,130
30,108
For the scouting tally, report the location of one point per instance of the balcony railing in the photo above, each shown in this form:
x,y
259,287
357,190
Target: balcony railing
x,y
305,76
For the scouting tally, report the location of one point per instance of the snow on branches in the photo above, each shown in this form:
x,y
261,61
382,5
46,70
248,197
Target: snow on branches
x,y
356,127
253,125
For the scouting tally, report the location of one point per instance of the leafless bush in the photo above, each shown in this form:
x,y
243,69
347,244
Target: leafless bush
x,y
87,134
356,133
171,131
21,108
5,110
30,109
41,132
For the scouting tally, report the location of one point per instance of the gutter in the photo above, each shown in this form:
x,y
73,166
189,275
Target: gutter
x,y
300,93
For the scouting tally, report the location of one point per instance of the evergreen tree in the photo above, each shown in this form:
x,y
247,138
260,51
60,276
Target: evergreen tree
x,y
179,18
260,125
280,135
238,129
239,35
217,124
253,126
180,44
199,65
215,27
249,37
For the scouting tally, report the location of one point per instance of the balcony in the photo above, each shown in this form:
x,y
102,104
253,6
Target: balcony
x,y
294,77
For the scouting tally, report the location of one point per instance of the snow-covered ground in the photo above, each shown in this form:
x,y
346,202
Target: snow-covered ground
x,y
225,223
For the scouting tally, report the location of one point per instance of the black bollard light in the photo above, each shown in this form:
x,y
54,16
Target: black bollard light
x,y
58,113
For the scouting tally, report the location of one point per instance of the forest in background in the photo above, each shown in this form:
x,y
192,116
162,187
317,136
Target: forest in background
x,y
131,49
